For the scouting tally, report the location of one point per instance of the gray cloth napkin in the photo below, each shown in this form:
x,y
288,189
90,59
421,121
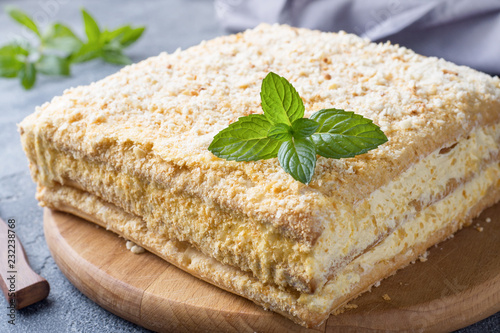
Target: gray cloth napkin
x,y
466,32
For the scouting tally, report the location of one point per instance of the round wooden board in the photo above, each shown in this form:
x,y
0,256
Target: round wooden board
x,y
458,285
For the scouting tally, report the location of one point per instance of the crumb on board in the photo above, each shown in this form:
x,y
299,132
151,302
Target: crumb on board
x,y
423,257
134,248
488,220
386,297
345,308
376,284
480,229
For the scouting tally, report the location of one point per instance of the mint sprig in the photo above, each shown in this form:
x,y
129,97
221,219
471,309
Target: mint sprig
x,y
283,132
59,47
280,101
297,156
344,134
246,140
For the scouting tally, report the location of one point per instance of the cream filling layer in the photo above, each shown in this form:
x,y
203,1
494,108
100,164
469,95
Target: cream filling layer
x,y
452,209
394,204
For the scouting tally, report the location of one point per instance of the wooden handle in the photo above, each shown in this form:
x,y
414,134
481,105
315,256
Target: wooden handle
x,y
20,284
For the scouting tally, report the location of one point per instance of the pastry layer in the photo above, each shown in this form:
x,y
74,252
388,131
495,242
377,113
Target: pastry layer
x,y
238,240
434,224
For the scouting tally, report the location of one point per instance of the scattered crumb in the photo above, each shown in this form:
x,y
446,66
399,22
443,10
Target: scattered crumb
x,y
386,297
134,248
423,257
488,220
376,284
137,249
480,229
345,308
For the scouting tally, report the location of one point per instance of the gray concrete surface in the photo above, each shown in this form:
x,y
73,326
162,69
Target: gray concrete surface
x,y
170,24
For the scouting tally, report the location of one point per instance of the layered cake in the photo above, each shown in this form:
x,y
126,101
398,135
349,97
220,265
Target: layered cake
x,y
130,153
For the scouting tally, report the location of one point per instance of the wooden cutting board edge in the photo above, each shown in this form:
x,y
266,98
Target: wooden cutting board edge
x,y
103,279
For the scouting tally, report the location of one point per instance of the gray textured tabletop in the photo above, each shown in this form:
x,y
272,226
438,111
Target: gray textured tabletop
x,y
170,24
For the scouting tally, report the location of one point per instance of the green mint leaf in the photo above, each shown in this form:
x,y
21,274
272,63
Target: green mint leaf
x,y
62,38
85,53
14,50
91,28
10,66
53,65
280,101
245,140
23,19
124,35
298,158
303,127
115,57
28,75
131,36
345,134
12,59
111,39
280,132
283,132
59,47
108,36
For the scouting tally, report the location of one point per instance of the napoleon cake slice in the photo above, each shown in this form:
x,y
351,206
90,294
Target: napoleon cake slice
x,y
129,152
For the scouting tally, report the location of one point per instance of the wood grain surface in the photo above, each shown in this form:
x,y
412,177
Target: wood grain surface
x,y
20,284
458,285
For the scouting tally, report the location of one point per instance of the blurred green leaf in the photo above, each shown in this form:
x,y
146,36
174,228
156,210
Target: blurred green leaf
x,y
107,35
10,66
13,49
131,36
60,37
115,57
85,53
22,18
12,57
124,35
91,28
28,75
53,65
59,47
